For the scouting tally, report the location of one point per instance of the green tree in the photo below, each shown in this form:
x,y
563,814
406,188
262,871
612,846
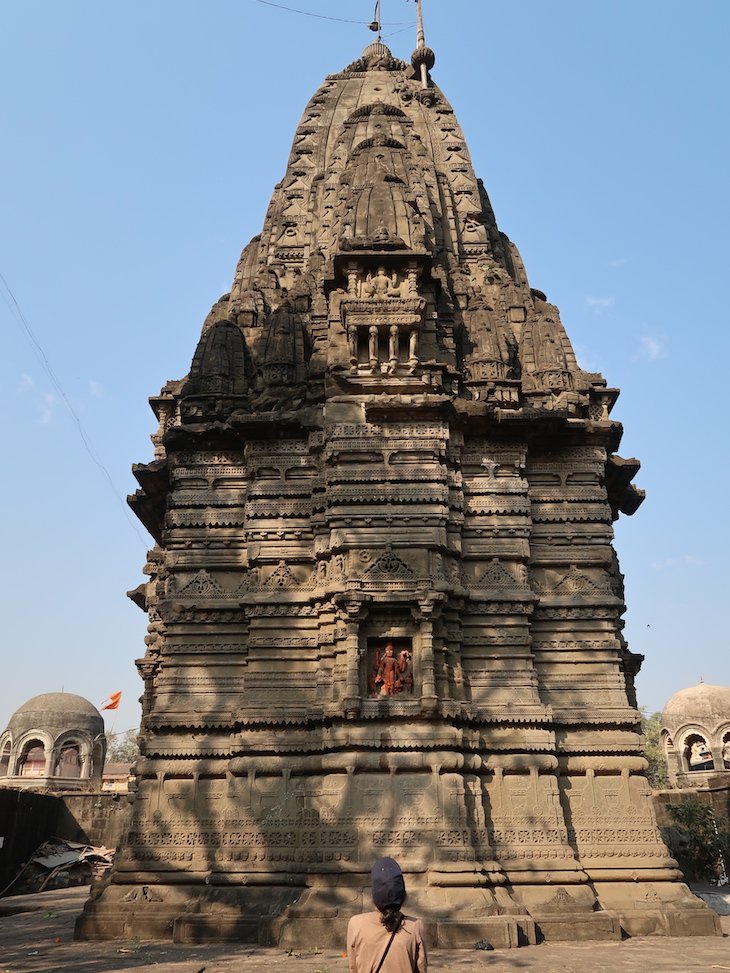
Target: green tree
x,y
123,747
703,843
651,727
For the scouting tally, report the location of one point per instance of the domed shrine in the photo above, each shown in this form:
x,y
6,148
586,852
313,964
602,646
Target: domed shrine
x,y
54,741
695,735
384,606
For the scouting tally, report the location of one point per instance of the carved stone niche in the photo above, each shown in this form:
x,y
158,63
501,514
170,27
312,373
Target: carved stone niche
x,y
382,315
390,678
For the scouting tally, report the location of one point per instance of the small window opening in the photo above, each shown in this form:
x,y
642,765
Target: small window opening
x,y
699,755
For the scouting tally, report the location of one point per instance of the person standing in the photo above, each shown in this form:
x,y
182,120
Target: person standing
x,y
386,941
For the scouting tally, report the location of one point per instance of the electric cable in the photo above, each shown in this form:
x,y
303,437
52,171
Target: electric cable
x,y
18,314
341,20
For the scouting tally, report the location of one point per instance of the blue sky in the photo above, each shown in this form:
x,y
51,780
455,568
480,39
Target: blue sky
x,y
141,145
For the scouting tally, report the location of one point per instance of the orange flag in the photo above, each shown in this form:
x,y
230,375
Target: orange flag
x,y
112,702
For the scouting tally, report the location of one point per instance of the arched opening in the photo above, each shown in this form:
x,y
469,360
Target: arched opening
x,y
32,762
726,750
697,753
69,761
5,760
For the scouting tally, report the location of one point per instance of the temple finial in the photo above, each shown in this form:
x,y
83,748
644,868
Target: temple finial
x,y
376,23
421,34
423,58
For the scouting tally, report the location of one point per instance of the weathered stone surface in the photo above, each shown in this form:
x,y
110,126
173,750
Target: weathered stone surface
x,y
385,610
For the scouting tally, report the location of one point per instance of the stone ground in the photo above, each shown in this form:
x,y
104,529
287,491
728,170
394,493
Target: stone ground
x,y
36,937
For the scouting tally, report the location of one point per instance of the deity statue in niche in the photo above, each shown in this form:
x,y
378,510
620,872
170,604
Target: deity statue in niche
x,y
549,352
301,290
391,671
381,234
483,327
249,307
726,753
280,346
472,230
381,285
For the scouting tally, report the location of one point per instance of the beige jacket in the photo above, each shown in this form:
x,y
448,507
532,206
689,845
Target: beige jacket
x,y
367,938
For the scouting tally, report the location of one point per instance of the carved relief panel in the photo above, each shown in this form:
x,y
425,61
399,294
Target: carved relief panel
x,y
382,315
611,818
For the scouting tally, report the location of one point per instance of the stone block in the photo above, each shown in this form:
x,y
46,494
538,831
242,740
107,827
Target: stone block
x,y
219,929
303,933
578,927
103,925
670,922
502,932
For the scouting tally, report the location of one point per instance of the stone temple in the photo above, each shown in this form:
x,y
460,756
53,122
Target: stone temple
x,y
385,609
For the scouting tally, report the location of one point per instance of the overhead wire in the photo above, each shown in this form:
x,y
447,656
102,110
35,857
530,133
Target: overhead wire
x,y
20,317
340,20
17,311
400,30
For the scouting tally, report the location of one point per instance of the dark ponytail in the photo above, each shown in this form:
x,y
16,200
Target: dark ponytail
x,y
391,917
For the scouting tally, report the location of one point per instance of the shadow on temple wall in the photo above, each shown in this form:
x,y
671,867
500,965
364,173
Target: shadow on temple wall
x,y
321,815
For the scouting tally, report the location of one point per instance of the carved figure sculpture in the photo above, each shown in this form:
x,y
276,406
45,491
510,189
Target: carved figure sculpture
x,y
405,664
381,233
472,230
281,330
393,672
381,286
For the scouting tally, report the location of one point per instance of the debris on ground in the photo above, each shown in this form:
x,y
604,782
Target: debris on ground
x,y
61,864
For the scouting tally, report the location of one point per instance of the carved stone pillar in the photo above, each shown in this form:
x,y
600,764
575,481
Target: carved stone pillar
x,y
423,615
413,349
352,344
353,651
716,751
85,762
393,349
373,348
148,669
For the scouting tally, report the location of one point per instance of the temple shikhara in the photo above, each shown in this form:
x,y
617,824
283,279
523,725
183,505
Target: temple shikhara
x,y
384,605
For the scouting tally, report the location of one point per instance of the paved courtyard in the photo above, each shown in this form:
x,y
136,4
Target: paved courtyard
x,y
36,937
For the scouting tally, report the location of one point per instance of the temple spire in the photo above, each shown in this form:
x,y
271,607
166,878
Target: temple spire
x,y
423,58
